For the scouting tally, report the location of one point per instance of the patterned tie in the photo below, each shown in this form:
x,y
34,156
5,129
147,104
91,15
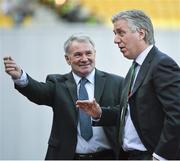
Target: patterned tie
x,y
85,120
125,98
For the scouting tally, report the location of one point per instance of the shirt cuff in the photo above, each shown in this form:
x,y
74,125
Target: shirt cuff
x,y
22,81
96,119
158,157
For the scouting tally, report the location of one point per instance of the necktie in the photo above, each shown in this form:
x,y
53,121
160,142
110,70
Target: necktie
x,y
85,120
125,98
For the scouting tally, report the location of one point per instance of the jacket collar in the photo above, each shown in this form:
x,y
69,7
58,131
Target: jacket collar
x,y
144,68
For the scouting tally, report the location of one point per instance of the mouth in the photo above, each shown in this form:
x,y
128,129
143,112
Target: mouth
x,y
84,65
122,49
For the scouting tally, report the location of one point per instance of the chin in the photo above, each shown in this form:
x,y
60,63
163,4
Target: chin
x,y
127,56
85,72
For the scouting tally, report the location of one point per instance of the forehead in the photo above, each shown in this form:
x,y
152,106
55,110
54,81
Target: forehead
x,y
80,46
120,24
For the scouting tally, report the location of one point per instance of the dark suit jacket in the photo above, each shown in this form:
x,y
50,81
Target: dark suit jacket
x,y
155,105
60,92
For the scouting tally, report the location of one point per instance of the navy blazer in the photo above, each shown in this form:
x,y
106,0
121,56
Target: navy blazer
x,y
154,105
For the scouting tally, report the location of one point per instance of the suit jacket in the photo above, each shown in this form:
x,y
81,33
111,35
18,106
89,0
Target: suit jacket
x,y
60,92
155,105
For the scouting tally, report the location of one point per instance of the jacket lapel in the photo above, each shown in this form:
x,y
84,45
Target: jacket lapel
x,y
71,85
72,88
99,84
144,69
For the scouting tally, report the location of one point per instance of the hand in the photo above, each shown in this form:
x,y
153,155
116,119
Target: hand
x,y
12,68
92,108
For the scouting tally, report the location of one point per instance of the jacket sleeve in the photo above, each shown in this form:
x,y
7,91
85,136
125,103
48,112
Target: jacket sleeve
x,y
109,117
39,92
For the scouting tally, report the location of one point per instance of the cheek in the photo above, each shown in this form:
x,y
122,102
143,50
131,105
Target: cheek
x,y
74,61
93,62
93,58
131,41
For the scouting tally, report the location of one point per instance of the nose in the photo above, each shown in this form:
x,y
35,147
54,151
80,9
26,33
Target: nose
x,y
84,57
117,39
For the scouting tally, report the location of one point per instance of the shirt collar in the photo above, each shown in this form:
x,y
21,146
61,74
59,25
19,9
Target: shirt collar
x,y
90,77
140,59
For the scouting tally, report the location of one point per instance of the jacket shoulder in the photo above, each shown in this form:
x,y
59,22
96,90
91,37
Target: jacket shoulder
x,y
162,58
55,77
110,75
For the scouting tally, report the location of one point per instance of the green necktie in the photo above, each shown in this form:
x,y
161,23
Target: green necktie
x,y
124,99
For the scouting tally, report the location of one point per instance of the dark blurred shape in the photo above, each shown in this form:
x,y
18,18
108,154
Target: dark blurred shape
x,y
71,11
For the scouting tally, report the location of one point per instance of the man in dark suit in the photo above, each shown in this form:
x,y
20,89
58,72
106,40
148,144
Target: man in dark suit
x,y
149,119
61,92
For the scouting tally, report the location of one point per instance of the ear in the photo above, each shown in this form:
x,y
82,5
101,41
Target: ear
x,y
67,59
141,34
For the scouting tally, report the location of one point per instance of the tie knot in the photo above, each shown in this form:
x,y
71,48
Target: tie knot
x,y
83,81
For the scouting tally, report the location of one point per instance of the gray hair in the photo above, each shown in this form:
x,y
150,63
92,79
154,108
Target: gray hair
x,y
78,38
137,20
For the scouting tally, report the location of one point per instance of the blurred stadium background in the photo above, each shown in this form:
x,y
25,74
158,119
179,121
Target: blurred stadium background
x,y
33,33
164,13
